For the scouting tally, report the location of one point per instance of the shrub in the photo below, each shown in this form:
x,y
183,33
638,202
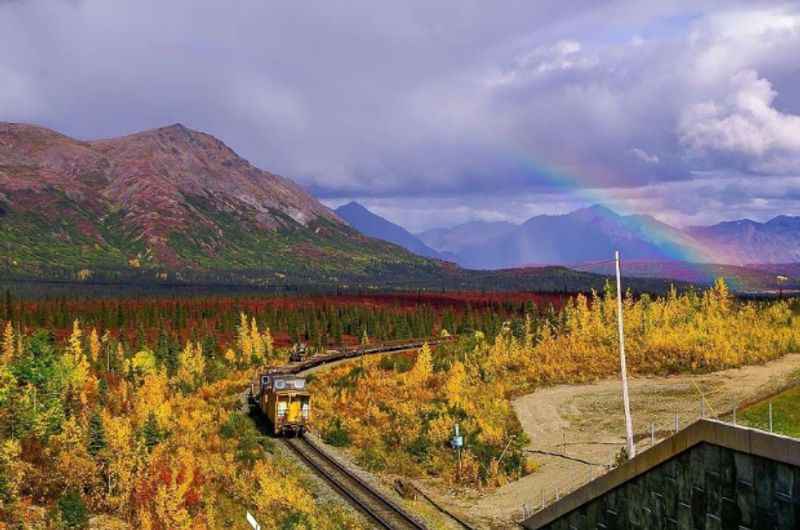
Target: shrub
x,y
73,510
419,448
371,459
336,434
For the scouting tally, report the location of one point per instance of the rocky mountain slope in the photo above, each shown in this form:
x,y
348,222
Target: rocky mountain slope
x,y
171,200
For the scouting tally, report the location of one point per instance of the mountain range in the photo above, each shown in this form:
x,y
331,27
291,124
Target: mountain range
x,y
749,242
177,205
592,234
748,253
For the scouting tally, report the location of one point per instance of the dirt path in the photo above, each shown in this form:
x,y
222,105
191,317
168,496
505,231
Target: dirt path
x,y
589,418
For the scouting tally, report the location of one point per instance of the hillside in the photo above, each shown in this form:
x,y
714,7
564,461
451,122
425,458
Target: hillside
x,y
754,278
171,200
173,205
372,225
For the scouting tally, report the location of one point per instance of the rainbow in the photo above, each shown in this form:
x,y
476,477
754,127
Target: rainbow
x,y
677,246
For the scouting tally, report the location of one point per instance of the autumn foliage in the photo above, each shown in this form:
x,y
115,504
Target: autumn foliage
x,y
133,408
94,426
398,415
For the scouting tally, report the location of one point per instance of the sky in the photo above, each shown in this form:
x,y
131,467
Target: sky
x,y
437,113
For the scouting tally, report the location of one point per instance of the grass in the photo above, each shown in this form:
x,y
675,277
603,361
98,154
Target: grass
x,y
785,413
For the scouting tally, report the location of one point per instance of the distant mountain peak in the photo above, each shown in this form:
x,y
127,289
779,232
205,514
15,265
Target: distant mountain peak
x,y
362,219
595,211
354,205
784,220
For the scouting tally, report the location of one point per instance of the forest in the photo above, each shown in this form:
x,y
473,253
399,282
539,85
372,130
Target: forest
x,y
397,414
131,409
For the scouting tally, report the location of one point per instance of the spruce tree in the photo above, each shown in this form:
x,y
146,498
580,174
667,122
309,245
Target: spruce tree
x,y
97,435
73,510
150,432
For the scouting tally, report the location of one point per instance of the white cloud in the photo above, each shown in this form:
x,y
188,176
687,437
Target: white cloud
x,y
644,156
561,56
745,122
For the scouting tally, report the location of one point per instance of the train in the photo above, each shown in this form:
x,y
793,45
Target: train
x,y
281,394
283,398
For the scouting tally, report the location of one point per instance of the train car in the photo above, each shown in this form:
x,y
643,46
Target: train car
x,y
284,400
298,353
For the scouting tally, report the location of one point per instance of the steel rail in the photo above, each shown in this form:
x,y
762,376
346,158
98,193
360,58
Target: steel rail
x,y
363,496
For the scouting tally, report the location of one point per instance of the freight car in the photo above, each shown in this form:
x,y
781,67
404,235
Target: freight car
x,y
283,399
298,353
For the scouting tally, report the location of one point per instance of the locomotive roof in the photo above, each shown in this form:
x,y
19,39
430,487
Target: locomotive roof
x,y
280,382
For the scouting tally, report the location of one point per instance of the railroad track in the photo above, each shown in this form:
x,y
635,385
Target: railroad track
x,y
361,351
376,506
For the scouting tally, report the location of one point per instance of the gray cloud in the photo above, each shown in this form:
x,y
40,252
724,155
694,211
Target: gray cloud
x,y
459,103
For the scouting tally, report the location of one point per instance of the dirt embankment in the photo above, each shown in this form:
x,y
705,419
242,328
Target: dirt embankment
x,y
575,430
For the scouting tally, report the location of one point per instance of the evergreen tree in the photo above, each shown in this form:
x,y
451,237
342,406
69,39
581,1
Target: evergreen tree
x,y
151,433
97,435
73,510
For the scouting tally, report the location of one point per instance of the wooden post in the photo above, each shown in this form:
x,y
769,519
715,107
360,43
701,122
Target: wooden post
x,y
622,364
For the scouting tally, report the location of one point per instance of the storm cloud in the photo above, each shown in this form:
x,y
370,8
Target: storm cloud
x,y
490,111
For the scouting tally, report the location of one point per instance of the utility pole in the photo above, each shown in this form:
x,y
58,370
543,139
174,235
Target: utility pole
x,y
622,366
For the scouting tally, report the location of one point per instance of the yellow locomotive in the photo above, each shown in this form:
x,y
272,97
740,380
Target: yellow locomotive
x,y
284,400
